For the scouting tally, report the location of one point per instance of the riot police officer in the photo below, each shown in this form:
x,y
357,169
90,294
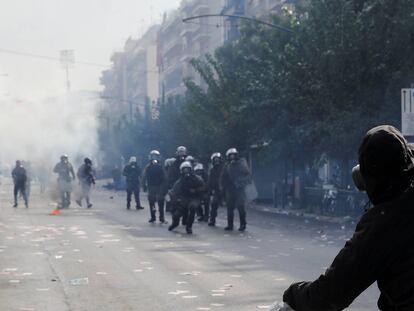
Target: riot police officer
x,y
132,173
168,167
153,180
174,172
214,186
186,194
66,175
234,179
204,209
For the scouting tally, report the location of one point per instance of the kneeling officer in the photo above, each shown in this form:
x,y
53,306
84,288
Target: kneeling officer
x,y
186,196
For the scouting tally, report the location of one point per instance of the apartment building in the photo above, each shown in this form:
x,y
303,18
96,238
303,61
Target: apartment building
x,y
180,42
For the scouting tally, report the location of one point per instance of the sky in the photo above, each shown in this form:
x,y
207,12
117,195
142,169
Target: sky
x,y
94,29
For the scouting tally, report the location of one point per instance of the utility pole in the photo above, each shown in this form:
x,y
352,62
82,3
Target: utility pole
x,y
125,98
67,59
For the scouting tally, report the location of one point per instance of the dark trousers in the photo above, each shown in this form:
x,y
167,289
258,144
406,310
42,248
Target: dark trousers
x,y
133,190
216,201
20,188
65,198
186,210
203,211
155,195
85,192
236,199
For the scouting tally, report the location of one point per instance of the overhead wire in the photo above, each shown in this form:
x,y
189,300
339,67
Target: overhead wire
x,y
50,58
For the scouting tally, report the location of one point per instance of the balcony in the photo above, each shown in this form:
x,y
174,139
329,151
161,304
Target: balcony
x,y
201,36
201,8
175,42
188,30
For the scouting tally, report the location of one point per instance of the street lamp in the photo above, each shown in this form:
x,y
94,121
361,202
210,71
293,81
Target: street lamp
x,y
250,19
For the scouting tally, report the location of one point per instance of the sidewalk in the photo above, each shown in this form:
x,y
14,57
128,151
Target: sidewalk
x,y
341,220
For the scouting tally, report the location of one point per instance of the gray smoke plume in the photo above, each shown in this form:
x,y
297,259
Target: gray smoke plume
x,y
41,131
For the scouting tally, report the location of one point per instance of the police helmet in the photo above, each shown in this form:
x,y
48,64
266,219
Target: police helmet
x,y
186,168
181,151
190,159
154,155
232,151
215,155
199,167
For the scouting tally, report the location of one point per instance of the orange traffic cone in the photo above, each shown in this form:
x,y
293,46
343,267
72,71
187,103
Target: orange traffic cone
x,y
55,212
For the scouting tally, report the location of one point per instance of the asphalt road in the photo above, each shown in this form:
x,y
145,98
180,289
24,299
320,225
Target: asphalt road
x,y
108,258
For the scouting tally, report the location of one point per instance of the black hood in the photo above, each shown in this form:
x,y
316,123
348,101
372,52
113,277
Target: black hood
x,y
386,163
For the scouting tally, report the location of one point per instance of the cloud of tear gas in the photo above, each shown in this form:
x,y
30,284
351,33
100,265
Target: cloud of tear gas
x,y
41,131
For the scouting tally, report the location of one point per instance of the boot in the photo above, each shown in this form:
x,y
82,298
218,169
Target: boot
x,y
189,230
229,228
242,228
212,223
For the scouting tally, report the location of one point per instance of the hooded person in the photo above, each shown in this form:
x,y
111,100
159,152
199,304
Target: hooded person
x,y
86,178
382,247
132,173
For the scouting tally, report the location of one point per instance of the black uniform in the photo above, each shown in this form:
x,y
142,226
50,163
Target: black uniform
x,y
234,179
173,174
174,171
65,176
205,198
186,195
214,189
132,172
19,179
155,181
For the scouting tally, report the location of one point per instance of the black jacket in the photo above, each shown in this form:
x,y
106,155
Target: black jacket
x,y
86,174
381,249
153,175
173,172
235,176
188,187
132,172
19,175
214,178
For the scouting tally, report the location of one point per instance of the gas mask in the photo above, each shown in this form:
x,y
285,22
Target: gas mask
x,y
186,171
232,157
216,161
358,178
386,165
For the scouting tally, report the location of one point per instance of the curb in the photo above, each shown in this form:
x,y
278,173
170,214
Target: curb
x,y
297,213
